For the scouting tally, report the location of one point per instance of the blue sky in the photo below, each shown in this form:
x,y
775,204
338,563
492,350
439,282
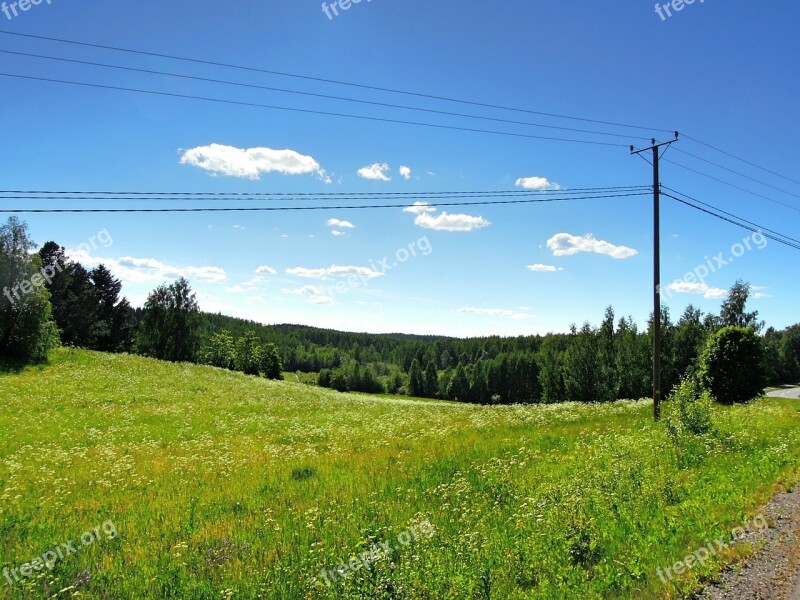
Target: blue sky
x,y
720,72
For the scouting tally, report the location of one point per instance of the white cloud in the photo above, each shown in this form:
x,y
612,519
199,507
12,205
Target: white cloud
x,y
377,172
340,224
419,207
312,293
565,244
544,268
493,312
684,287
132,270
334,271
405,172
251,163
338,233
447,222
207,274
537,183
444,221
266,270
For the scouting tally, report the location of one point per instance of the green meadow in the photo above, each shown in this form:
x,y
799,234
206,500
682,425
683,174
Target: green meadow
x,y
221,485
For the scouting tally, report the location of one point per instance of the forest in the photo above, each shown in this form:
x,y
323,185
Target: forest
x,y
76,307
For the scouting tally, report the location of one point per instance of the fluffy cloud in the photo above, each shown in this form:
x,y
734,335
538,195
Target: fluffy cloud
x,y
537,183
447,222
703,289
132,270
377,172
334,271
251,163
405,172
565,244
338,233
444,221
266,270
493,312
544,268
340,224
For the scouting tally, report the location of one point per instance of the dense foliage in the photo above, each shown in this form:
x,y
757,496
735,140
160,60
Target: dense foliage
x,y
588,364
27,332
731,367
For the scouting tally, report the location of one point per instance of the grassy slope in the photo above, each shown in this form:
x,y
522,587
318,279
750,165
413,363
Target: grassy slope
x,y
220,483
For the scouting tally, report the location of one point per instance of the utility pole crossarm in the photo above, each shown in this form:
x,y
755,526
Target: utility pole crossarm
x,y
655,148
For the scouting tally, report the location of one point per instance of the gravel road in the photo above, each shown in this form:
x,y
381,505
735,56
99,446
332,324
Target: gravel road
x,y
773,572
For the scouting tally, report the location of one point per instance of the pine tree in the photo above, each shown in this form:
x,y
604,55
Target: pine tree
x,y
431,381
459,385
416,381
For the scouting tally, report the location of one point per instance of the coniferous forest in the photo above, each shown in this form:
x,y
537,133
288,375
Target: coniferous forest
x,y
84,308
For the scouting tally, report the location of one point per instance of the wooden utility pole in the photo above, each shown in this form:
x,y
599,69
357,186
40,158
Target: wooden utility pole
x,y
656,150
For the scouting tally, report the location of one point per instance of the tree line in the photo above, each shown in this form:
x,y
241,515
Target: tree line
x,y
49,299
84,308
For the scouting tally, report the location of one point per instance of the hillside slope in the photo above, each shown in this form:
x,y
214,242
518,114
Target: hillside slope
x,y
223,485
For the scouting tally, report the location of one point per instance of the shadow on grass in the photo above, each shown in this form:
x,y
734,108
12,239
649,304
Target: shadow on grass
x,y
10,366
13,366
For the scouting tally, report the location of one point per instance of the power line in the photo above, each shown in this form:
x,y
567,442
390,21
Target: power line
x,y
745,161
331,81
733,185
743,225
760,227
312,208
735,172
339,196
325,96
309,111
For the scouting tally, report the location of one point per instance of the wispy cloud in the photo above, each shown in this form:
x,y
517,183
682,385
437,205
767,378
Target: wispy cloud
x,y
334,271
419,207
493,312
544,268
312,294
130,270
702,289
340,224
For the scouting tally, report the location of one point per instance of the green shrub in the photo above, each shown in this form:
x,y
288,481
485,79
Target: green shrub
x,y
693,407
731,367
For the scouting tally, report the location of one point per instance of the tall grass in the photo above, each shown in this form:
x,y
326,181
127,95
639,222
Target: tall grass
x,y
226,486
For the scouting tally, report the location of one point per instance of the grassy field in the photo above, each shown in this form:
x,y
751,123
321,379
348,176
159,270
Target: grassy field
x,y
220,485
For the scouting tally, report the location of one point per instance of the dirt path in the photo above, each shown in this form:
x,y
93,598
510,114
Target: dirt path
x,y
773,571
